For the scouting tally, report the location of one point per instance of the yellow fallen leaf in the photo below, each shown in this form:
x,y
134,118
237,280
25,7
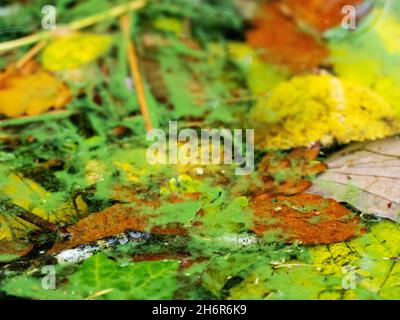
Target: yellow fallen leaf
x,y
321,108
74,50
30,196
32,93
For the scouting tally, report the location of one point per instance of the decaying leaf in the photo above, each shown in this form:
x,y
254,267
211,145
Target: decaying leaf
x,y
74,50
307,218
366,175
321,108
31,91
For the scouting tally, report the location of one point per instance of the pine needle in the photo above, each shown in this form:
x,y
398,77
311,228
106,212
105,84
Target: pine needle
x,y
125,24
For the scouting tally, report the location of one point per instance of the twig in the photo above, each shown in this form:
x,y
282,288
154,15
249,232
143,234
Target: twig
x,y
31,218
30,54
125,24
75,25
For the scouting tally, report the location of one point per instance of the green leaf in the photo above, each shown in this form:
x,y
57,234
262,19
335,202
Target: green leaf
x,y
100,277
369,262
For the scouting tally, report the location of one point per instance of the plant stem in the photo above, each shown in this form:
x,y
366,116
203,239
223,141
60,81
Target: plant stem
x,y
58,114
75,25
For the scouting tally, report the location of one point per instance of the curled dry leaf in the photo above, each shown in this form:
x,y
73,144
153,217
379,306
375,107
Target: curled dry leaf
x,y
307,218
366,175
31,91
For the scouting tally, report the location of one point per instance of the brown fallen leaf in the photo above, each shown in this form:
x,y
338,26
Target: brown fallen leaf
x,y
111,221
280,40
320,14
31,91
310,219
365,175
120,218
